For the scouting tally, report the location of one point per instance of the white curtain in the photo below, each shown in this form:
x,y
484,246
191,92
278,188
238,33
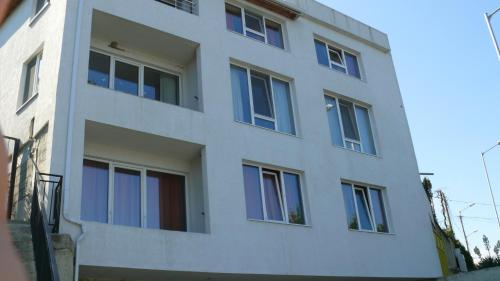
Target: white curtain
x,y
283,104
169,89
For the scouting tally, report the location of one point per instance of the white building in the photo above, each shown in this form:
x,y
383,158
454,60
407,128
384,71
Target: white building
x,y
219,140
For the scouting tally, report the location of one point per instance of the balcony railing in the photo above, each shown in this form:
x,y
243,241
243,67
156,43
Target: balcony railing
x,y
190,6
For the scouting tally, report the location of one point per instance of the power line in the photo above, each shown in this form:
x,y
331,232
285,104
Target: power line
x,y
471,202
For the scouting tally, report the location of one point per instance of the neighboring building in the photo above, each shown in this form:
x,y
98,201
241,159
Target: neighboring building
x,y
218,140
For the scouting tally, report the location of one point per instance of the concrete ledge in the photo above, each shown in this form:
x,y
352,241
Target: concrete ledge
x,y
487,274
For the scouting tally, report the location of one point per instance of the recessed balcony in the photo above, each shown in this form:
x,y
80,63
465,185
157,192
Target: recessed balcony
x,y
137,60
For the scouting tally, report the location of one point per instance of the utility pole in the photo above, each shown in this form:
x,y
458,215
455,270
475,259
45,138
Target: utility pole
x,y
463,230
487,17
445,209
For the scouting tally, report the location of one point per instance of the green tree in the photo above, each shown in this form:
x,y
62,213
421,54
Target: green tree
x,y
478,252
496,249
426,183
486,242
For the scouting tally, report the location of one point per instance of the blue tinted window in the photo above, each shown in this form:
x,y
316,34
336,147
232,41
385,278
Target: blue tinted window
x,y
283,104
99,66
321,53
363,209
264,123
350,207
126,78
365,130
233,18
253,197
352,65
241,98
294,199
333,121
378,210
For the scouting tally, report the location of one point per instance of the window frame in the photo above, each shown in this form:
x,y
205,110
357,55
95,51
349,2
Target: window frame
x,y
365,189
345,139
141,65
143,169
253,13
253,115
36,14
342,50
23,98
280,184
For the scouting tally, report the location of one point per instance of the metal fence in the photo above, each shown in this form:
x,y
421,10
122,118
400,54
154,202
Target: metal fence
x,y
190,6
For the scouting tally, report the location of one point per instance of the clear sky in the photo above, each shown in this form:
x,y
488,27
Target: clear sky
x,y
449,77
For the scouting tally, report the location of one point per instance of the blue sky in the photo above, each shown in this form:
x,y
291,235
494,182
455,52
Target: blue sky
x,y
449,77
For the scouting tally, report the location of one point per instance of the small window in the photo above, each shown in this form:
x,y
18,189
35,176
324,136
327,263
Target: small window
x,y
337,59
281,192
255,26
364,208
126,78
269,105
39,5
350,125
233,18
32,78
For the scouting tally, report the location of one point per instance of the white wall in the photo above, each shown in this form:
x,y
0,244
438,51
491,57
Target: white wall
x,y
325,247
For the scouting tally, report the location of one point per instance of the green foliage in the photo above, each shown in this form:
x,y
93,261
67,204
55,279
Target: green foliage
x,y
488,262
496,249
478,252
486,242
426,183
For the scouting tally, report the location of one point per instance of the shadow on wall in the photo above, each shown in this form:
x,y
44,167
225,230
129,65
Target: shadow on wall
x,y
13,14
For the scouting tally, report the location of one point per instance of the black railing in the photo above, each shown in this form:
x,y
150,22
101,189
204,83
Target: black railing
x,y
46,267
12,146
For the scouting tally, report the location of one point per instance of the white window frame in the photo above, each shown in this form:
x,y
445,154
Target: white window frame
x,y
264,19
36,80
140,81
143,173
271,92
342,56
36,14
280,185
348,142
368,200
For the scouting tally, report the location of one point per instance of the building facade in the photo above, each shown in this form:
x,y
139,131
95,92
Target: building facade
x,y
219,140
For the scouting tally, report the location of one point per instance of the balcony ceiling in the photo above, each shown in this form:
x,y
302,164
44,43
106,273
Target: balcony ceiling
x,y
141,38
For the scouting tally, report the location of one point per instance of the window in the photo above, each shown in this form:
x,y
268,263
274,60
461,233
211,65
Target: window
x,y
32,78
364,208
254,26
337,59
269,105
273,195
39,5
155,84
165,195
349,125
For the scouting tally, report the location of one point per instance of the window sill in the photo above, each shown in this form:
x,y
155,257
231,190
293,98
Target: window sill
x,y
279,222
377,156
36,16
266,129
372,232
267,44
343,73
26,103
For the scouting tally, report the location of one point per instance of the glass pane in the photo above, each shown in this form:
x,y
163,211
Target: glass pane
x,y
98,69
363,209
166,201
241,98
254,22
294,199
283,104
365,130
350,207
333,121
161,86
352,65
233,18
264,123
29,83
126,78
95,183
262,100
274,35
253,196
348,120
339,68
127,197
357,146
378,210
273,197
321,53
255,36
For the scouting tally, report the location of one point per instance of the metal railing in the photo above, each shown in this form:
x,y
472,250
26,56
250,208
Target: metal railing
x,y
12,146
45,263
190,6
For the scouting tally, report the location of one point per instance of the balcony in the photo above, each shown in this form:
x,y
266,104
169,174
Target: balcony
x,y
141,181
137,60
189,6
